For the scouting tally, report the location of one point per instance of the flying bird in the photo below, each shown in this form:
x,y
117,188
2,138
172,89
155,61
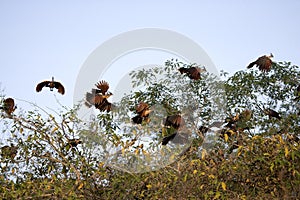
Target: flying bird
x,y
51,84
263,63
8,106
143,112
192,72
98,97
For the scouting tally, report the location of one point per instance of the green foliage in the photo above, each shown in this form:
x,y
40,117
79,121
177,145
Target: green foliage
x,y
257,158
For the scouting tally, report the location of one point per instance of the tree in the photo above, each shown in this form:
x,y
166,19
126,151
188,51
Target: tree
x,y
228,146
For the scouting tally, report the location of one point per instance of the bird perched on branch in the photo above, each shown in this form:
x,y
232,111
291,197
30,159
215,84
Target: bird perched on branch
x,y
263,63
192,72
51,84
8,106
143,112
98,97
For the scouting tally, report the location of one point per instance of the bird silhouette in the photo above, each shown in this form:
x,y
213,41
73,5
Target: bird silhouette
x,y
263,63
192,72
98,97
143,112
8,106
51,84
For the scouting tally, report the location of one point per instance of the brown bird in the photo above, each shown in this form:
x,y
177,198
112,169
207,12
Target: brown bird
x,y
51,84
263,63
143,112
175,121
192,72
99,97
8,105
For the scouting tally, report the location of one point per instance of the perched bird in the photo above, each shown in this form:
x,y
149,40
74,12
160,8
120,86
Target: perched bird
x,y
98,97
9,152
272,113
143,112
174,121
263,63
192,72
8,106
51,84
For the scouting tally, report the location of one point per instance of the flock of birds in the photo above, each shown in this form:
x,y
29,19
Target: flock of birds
x,y
99,95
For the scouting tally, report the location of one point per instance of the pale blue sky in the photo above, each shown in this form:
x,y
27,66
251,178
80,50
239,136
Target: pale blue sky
x,y
41,39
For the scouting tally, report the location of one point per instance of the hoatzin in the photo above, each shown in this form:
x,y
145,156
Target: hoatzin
x,y
51,84
143,112
263,63
99,96
192,72
176,122
8,106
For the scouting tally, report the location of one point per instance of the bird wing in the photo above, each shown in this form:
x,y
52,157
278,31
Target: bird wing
x,y
264,63
166,139
194,73
59,87
141,107
42,84
103,86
